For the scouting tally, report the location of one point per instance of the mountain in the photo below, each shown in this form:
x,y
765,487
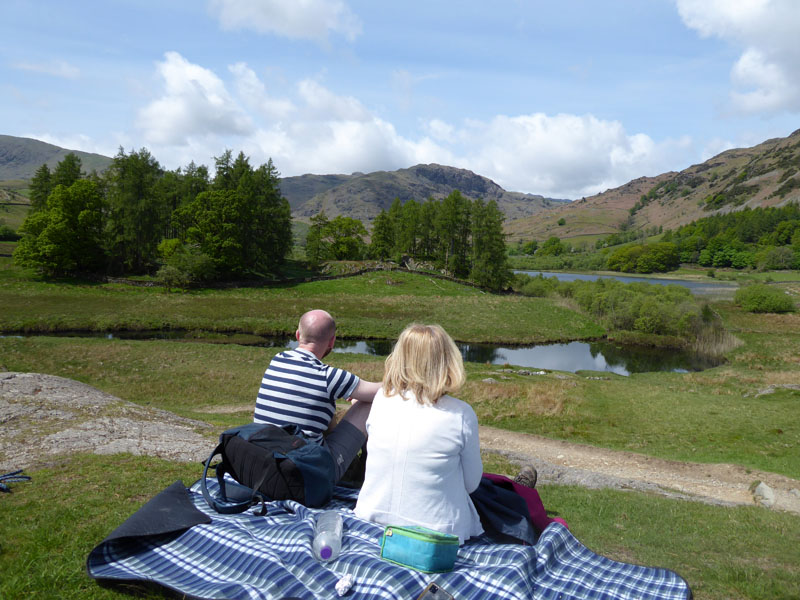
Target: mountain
x,y
20,157
362,196
765,175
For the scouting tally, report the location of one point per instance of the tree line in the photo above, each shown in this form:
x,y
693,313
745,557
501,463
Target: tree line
x,y
137,218
758,238
462,237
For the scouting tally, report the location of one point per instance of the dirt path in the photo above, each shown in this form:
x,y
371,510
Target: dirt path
x,y
569,463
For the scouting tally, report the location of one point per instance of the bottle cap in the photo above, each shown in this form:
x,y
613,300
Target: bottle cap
x,y
325,552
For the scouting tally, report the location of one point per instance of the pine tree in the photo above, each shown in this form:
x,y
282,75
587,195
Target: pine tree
x,y
138,214
316,250
382,240
452,226
41,185
67,171
489,258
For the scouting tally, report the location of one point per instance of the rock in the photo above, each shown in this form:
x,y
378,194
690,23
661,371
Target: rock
x,y
795,492
489,380
764,495
42,416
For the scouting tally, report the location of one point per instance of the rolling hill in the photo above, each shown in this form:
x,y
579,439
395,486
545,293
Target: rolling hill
x,y
20,157
765,175
363,196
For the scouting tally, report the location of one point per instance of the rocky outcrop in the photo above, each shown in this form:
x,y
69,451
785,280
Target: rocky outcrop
x,y
43,416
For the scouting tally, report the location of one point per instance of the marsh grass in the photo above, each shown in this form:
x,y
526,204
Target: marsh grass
x,y
51,523
714,341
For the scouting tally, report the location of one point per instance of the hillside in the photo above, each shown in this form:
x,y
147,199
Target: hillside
x,y
20,157
765,175
362,196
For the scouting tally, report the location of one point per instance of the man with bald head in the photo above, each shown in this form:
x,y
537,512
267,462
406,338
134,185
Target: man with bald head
x,y
299,389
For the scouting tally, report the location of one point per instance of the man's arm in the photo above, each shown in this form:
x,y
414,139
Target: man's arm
x,y
365,390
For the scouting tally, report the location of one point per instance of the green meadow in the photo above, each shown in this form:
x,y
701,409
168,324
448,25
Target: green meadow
x,y
48,525
374,305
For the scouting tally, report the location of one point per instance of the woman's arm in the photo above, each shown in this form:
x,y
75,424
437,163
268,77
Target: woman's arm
x,y
471,463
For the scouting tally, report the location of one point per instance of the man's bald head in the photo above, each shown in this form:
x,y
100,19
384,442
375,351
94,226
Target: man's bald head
x,y
316,327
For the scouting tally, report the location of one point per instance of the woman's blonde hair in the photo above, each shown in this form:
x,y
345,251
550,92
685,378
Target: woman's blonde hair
x,y
424,361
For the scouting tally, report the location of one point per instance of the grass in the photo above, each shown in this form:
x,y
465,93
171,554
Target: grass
x,y
48,526
13,214
374,305
51,523
710,416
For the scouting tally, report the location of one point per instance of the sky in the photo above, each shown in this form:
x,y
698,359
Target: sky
x,y
564,99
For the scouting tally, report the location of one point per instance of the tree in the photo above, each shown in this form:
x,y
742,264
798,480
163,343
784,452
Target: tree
x,y
529,247
426,230
489,259
243,224
316,250
41,185
138,215
382,241
407,229
67,171
344,238
452,228
551,247
66,235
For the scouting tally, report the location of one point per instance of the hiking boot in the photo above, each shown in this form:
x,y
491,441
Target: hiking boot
x,y
527,477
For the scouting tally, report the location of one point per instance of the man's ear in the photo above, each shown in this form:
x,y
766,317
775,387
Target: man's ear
x,y
297,335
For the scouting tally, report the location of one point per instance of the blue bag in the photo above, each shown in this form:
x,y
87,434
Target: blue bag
x,y
419,548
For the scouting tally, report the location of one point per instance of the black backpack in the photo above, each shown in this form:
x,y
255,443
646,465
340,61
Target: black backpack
x,y
269,463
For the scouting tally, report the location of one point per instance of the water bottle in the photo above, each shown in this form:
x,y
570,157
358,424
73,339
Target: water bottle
x,y
327,536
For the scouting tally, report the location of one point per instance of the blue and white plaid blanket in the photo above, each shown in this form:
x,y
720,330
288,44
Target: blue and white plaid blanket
x,y
269,557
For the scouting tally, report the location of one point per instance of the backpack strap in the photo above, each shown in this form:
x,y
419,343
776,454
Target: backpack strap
x,y
223,505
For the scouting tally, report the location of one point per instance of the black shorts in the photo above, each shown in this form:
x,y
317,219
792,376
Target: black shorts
x,y
343,442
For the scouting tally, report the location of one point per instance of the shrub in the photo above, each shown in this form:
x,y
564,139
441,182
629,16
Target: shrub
x,y
7,234
184,264
762,298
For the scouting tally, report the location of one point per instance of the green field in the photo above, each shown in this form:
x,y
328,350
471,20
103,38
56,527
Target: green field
x,y
49,525
375,305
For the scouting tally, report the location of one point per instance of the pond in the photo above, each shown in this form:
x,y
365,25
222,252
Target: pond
x,y
573,356
698,288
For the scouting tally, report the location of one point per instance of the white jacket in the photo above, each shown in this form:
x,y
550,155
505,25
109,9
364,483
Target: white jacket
x,y
422,463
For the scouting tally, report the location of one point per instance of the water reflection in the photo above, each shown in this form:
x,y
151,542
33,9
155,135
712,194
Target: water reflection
x,y
572,356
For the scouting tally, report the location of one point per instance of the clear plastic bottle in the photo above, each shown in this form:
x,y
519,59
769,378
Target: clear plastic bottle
x,y
327,536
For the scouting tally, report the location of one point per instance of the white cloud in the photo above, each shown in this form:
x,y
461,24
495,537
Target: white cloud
x,y
254,94
301,19
57,68
79,141
765,76
563,155
195,102
316,130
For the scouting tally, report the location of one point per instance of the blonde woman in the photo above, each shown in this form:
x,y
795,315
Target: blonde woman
x,y
424,454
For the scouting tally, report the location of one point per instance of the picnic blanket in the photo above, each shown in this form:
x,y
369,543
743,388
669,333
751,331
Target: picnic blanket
x,y
178,541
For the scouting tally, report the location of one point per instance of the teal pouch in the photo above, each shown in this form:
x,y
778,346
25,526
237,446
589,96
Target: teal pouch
x,y
419,548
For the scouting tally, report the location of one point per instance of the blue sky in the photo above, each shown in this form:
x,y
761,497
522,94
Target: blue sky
x,y
564,99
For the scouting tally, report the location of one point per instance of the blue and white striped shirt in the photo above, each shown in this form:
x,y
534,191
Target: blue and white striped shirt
x,y
299,389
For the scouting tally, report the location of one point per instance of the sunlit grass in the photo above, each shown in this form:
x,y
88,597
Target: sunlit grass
x,y
51,523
